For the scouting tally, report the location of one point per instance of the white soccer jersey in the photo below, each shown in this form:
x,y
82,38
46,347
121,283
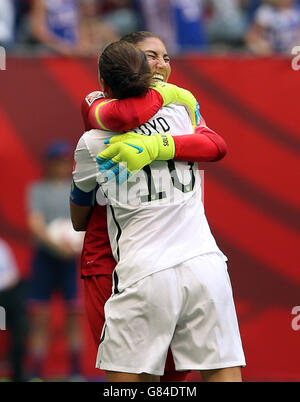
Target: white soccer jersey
x,y
156,220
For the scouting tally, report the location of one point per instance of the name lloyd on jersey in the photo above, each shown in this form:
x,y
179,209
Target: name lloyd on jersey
x,y
158,125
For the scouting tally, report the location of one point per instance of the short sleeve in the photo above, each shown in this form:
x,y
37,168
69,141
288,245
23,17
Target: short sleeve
x,y
85,167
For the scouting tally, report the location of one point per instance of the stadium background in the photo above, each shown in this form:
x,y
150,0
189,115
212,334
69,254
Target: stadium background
x,y
252,197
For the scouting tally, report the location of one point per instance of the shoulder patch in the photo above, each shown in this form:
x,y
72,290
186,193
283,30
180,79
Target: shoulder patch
x,y
90,98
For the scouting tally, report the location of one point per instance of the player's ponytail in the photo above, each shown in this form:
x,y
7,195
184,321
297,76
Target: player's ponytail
x,y
125,69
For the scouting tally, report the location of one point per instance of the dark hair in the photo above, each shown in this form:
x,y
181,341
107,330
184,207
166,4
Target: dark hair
x,y
139,36
125,69
58,149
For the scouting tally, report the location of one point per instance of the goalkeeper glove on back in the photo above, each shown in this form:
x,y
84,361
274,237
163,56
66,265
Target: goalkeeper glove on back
x,y
130,152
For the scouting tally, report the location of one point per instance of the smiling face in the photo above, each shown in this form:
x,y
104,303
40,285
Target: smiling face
x,y
158,58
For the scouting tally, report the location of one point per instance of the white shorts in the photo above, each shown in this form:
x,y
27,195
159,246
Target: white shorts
x,y
188,307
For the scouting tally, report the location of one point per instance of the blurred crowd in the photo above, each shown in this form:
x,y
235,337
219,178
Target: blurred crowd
x,y
84,27
27,300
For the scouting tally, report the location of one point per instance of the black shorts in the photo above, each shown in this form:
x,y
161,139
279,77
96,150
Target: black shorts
x,y
51,274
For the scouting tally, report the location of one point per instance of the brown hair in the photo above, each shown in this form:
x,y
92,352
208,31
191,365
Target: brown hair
x,y
139,36
125,69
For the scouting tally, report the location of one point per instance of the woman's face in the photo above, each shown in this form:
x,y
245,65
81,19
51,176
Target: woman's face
x,y
158,58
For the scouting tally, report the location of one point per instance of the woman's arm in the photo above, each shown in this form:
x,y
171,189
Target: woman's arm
x,y
80,216
125,114
205,146
120,115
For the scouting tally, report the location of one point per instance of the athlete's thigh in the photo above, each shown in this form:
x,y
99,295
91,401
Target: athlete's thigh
x,y
97,290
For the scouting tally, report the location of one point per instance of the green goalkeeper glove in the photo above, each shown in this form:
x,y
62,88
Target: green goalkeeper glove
x,y
171,93
130,152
